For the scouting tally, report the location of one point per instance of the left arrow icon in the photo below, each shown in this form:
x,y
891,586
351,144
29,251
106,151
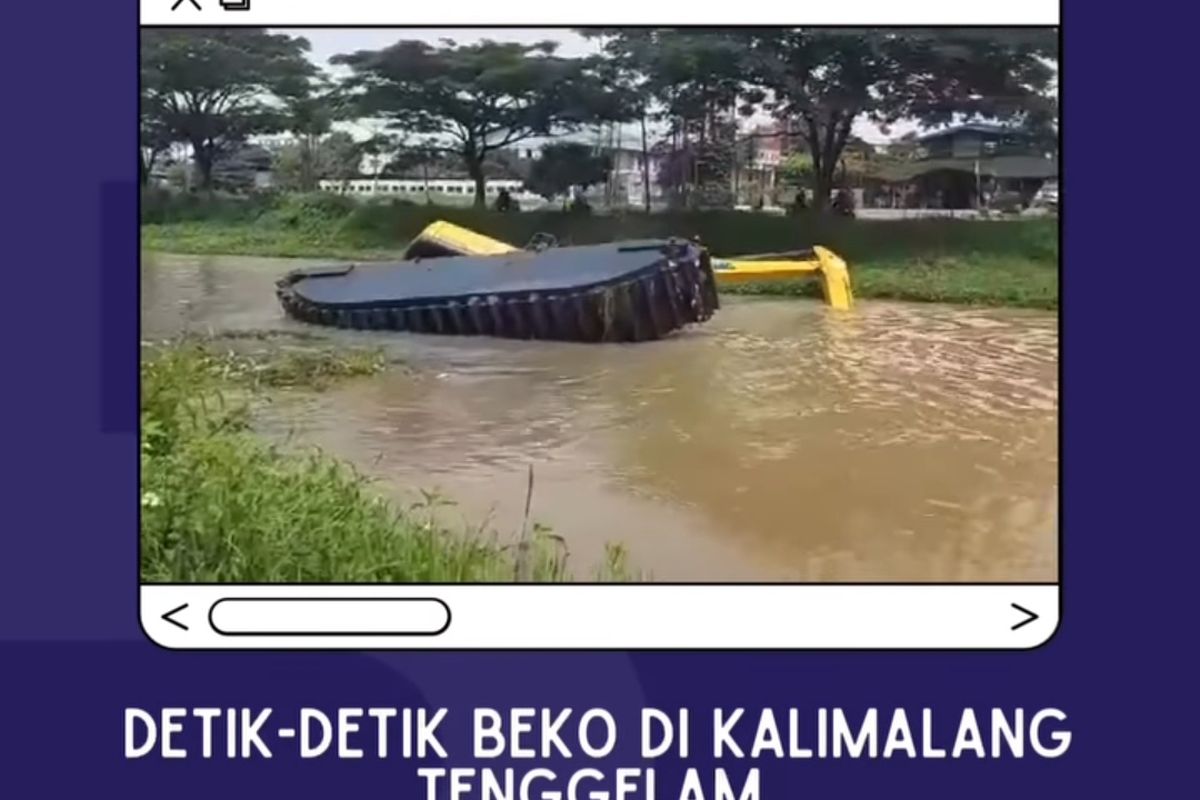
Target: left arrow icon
x,y
170,614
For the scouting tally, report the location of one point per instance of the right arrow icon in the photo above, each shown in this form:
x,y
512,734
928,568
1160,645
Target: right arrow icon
x,y
1029,616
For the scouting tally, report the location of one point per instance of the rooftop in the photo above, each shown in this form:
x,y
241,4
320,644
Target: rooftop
x,y
996,166
974,127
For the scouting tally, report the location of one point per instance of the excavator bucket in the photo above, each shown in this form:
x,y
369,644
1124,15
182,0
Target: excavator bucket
x,y
817,262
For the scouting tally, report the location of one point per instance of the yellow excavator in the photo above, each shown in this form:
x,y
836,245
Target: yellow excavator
x,y
446,239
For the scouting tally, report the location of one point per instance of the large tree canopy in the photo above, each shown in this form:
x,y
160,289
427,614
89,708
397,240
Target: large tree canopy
x,y
214,87
826,79
474,99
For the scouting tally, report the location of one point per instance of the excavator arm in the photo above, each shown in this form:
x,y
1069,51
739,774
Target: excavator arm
x,y
819,262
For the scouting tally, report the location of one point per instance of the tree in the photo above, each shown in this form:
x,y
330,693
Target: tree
x,y
155,138
339,157
700,174
474,99
624,68
214,87
236,169
859,163
380,151
290,165
564,165
628,99
310,107
334,157
828,78
906,148
696,77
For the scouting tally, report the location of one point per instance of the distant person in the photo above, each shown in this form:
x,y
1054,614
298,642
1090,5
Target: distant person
x,y
843,203
800,204
504,201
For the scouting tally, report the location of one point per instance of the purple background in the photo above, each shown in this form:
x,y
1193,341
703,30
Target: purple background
x,y
71,653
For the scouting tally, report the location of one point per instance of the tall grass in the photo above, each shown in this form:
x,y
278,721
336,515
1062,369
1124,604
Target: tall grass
x,y
221,505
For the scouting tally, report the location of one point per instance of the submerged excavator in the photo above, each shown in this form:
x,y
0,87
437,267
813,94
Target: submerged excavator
x,y
456,281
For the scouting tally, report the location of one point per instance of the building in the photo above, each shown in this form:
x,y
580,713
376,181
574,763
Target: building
x,y
245,167
773,143
759,157
241,167
626,181
967,166
973,141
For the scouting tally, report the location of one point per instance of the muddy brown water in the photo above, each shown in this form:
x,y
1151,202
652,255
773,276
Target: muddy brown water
x,y
781,441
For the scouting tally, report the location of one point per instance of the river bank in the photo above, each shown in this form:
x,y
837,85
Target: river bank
x,y
987,263
222,504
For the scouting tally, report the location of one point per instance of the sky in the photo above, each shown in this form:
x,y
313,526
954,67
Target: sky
x,y
327,42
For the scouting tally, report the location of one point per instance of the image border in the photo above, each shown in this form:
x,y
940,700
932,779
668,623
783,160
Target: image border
x,y
417,587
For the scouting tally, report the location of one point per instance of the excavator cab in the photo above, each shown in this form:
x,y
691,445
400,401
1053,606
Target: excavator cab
x,y
442,239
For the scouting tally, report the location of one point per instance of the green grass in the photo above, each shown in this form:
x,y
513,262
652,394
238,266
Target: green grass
x,y
1003,263
219,504
247,239
982,280
257,360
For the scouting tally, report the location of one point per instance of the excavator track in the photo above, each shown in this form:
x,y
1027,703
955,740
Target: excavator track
x,y
629,292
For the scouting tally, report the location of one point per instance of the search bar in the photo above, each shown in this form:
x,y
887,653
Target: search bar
x,y
329,616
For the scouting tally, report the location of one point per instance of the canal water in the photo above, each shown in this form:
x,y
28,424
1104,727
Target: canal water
x,y
781,441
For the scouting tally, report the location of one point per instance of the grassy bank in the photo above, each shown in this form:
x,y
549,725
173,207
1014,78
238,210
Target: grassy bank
x,y
220,504
1009,263
981,280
